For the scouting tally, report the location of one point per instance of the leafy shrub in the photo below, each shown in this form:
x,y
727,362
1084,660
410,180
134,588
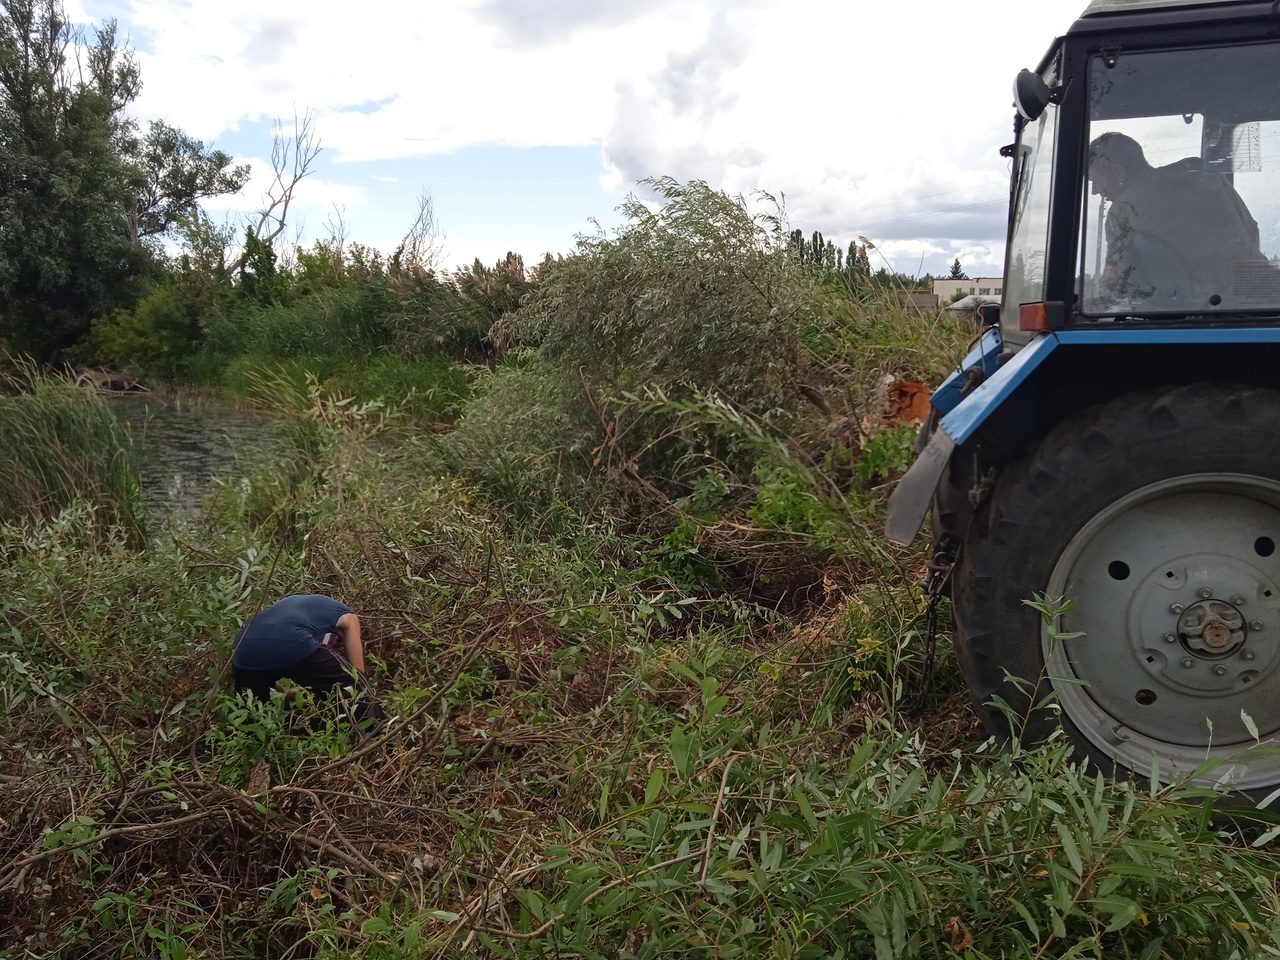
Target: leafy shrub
x,y
155,339
887,451
527,416
700,291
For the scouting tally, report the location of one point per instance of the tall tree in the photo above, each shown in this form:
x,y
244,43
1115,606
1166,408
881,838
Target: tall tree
x,y
957,271
174,173
78,189
64,251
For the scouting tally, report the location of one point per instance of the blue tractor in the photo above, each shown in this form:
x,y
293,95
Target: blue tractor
x,y
1114,436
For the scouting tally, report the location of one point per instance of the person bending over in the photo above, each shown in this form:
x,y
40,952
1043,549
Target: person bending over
x,y
308,638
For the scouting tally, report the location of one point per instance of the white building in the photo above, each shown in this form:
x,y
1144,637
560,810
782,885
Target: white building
x,y
946,290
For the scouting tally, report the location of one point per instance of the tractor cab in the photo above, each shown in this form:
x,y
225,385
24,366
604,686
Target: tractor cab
x,y
1146,182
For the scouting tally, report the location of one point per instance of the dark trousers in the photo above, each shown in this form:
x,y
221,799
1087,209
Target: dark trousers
x,y
322,673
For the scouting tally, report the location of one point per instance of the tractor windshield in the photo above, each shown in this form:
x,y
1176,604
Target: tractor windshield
x,y
1182,210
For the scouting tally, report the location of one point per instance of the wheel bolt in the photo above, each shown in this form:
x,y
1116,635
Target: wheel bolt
x,y
1176,607
1188,662
1205,593
1238,600
1248,654
1170,638
1220,670
1255,625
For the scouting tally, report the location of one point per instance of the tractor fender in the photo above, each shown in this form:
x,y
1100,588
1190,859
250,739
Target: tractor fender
x,y
982,359
961,416
1112,359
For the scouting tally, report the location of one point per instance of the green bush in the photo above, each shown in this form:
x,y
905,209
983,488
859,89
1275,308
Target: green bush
x,y
701,291
154,340
527,416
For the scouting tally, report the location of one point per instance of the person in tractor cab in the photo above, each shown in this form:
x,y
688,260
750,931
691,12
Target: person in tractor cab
x,y
311,639
1171,231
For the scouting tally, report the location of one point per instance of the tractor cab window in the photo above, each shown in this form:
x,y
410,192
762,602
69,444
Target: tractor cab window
x,y
1182,203
1033,160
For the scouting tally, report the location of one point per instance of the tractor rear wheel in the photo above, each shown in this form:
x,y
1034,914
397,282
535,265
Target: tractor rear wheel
x,y
1158,517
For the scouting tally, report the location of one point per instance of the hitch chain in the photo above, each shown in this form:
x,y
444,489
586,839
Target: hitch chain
x,y
937,574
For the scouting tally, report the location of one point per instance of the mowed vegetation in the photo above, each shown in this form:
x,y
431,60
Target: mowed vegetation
x,y
661,688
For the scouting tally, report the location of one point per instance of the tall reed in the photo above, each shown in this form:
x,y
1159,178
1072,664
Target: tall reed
x,y
60,445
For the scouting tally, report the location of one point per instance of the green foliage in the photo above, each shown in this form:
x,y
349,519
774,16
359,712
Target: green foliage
x,y
174,172
700,291
283,733
428,387
786,500
64,180
259,281
887,451
156,339
486,295
64,446
525,419
873,857
80,192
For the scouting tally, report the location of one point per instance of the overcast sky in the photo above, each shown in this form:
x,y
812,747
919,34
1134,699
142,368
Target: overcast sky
x,y
527,119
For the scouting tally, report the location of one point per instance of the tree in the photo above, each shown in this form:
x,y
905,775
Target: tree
x,y
175,172
79,191
64,252
957,272
292,158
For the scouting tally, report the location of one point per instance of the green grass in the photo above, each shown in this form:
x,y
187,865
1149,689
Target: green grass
x,y
431,387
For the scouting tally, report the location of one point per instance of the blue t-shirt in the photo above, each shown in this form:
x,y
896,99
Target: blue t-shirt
x,y
287,632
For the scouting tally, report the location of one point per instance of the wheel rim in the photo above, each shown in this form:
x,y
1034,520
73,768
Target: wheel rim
x,y
1177,593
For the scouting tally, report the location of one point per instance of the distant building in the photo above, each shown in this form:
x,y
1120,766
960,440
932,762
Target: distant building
x,y
946,290
916,301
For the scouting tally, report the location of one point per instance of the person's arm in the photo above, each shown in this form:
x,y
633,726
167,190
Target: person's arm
x,y
352,647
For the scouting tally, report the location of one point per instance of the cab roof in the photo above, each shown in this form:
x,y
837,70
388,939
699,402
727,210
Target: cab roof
x,y
1098,7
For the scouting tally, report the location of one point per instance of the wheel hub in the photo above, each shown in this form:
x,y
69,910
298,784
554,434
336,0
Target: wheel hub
x,y
1177,590
1212,628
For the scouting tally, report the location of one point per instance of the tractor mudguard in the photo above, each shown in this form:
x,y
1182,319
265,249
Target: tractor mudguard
x,y
911,498
984,356
965,414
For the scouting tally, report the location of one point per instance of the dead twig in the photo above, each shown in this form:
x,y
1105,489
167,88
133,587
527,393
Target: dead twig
x,y
715,817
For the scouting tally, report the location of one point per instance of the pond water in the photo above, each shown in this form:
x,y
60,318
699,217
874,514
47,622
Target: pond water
x,y
181,447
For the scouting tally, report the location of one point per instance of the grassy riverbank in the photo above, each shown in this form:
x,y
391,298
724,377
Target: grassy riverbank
x,y
657,676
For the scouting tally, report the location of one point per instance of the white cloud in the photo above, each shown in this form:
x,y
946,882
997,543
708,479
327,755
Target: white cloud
x,y
874,118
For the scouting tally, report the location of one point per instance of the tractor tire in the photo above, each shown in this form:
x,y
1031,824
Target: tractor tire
x,y
1157,516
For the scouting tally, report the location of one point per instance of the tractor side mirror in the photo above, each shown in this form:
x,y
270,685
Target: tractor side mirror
x,y
988,316
1030,94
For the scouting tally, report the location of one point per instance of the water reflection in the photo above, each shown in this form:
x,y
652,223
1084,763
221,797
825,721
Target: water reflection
x,y
181,447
